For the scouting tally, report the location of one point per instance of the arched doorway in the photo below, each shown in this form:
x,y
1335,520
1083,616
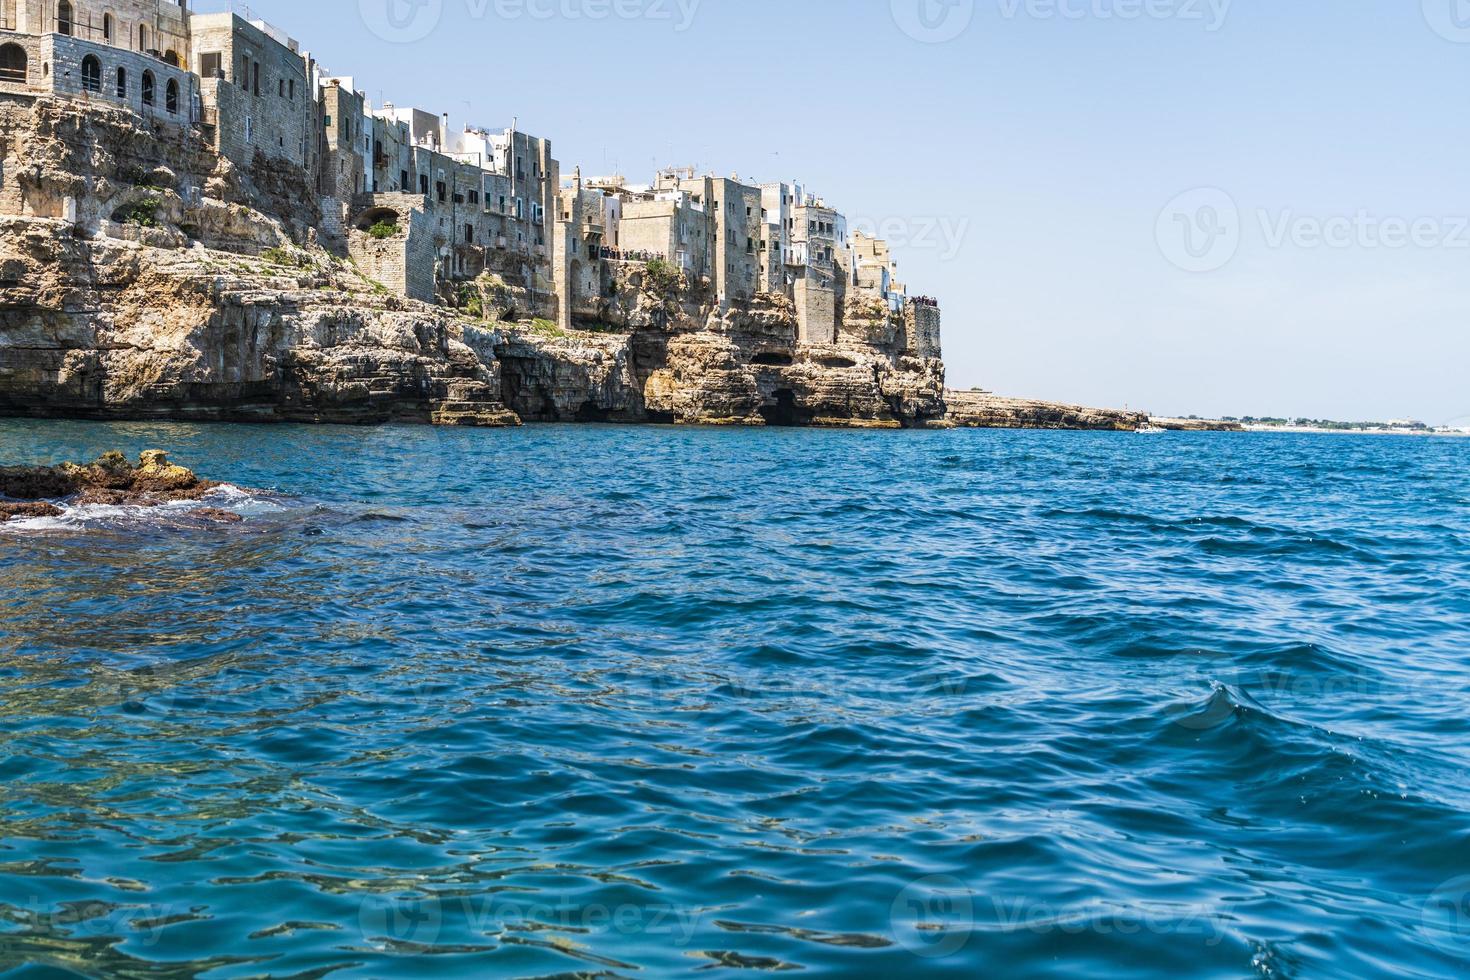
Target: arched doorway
x,y
13,64
91,74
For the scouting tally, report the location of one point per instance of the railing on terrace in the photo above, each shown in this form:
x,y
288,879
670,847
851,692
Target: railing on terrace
x,y
631,255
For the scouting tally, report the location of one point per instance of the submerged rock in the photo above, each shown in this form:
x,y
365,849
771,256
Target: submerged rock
x,y
111,479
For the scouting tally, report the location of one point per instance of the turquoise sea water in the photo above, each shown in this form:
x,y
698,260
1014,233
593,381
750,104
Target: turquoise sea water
x,y
659,702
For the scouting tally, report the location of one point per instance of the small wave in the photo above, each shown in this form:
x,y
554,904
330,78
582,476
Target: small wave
x,y
174,515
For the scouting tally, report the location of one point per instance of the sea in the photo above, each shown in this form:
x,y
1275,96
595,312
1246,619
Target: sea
x,y
588,701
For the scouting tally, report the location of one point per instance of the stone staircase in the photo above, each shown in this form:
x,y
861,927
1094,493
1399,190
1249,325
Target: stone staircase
x,y
472,403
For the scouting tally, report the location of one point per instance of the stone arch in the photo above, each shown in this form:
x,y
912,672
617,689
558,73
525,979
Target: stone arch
x,y
92,74
377,215
13,64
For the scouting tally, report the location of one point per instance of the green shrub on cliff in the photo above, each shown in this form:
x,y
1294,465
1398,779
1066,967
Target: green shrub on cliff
x,y
142,212
383,229
284,256
662,278
471,302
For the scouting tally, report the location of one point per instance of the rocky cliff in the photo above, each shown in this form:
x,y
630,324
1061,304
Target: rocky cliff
x,y
141,276
983,410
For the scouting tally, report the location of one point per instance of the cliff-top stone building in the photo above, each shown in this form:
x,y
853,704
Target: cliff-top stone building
x,y
438,213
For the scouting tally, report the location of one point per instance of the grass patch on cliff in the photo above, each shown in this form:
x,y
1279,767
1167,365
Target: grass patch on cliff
x,y
547,328
284,256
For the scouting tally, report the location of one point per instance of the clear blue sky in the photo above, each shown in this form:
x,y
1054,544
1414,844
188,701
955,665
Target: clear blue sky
x,y
1031,160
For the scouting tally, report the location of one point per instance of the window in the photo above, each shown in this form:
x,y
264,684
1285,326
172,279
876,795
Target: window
x,y
443,191
13,64
403,180
171,96
474,197
327,122
211,65
424,184
291,90
91,74
63,18
249,129
280,88
148,88
172,57
255,78
469,234
122,83
142,37
107,27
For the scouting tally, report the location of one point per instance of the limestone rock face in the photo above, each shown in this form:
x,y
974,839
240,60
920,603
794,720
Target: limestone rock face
x,y
983,410
143,277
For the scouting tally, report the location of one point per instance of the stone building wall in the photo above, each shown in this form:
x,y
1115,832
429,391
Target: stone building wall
x,y
405,263
54,66
132,25
923,323
736,210
816,311
264,102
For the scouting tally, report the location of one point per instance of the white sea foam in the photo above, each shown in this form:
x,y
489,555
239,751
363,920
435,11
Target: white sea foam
x,y
178,513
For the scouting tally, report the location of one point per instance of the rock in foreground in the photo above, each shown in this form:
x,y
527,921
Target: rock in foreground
x,y
112,480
